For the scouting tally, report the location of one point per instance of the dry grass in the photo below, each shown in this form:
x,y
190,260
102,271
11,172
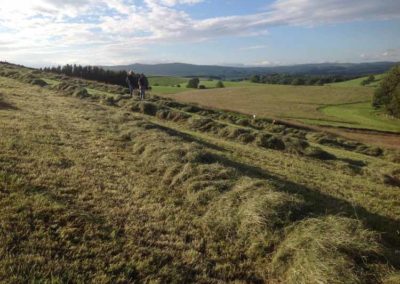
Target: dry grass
x,y
331,249
98,193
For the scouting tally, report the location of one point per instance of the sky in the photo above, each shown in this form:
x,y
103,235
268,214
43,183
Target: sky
x,y
222,32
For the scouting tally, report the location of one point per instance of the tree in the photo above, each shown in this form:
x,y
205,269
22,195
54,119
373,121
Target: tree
x,y
369,80
388,93
220,84
255,79
298,81
193,83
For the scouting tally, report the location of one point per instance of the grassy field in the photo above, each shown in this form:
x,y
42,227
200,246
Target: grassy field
x,y
357,82
316,105
276,100
361,115
163,192
169,85
167,81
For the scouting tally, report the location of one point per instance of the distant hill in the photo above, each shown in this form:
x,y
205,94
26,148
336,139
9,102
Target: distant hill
x,y
181,69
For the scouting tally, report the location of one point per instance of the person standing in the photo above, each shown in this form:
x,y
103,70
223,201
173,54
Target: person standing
x,y
143,85
133,84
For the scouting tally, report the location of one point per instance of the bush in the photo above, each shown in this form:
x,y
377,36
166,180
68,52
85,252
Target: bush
x,y
220,84
368,81
202,87
193,83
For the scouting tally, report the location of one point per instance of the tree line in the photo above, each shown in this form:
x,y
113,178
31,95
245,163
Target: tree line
x,y
90,73
297,80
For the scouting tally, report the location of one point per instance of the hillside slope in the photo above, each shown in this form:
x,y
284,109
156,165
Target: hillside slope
x,y
181,69
95,187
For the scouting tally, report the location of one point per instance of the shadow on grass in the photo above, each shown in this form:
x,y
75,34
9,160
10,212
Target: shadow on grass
x,y
321,203
6,105
324,204
184,136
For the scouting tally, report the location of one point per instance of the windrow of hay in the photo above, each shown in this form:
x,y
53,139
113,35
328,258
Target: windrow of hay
x,y
327,250
290,142
333,141
252,214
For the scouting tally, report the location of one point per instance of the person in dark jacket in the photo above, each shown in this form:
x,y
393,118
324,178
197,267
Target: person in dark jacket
x,y
133,84
143,86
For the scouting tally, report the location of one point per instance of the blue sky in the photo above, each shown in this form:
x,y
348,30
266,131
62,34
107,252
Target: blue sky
x,y
224,32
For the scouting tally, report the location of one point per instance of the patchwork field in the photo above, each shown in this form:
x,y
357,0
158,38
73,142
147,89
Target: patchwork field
x,y
96,187
321,105
339,108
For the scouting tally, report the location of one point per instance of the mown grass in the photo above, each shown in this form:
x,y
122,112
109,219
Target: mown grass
x,y
324,105
362,115
276,100
357,82
97,193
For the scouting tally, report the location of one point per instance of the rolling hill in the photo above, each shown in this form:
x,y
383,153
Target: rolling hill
x,y
180,69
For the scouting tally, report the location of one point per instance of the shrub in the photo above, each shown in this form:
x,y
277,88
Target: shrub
x,y
193,83
368,81
202,87
220,84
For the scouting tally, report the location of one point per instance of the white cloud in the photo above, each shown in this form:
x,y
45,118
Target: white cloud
x,y
315,12
116,30
392,54
253,47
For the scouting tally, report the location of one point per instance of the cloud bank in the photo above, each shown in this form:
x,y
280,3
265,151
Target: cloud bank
x,y
112,31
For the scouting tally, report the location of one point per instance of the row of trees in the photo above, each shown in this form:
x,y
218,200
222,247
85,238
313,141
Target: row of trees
x,y
288,79
387,95
90,73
